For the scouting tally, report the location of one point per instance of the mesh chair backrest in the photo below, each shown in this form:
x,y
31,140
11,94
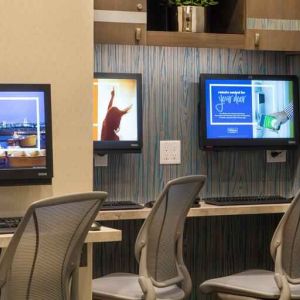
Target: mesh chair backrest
x,y
164,227
46,248
291,240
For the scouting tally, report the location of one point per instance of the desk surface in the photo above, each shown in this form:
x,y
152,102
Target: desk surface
x,y
205,210
106,234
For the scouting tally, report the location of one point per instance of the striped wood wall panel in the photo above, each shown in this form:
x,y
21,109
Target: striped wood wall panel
x,y
214,246
170,97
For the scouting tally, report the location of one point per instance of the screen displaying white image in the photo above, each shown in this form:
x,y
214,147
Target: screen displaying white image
x,y
115,110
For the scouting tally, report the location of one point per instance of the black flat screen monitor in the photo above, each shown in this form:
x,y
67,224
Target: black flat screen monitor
x,y
117,112
25,134
248,111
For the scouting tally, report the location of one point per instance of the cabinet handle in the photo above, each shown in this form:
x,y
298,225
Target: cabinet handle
x,y
257,40
139,6
138,34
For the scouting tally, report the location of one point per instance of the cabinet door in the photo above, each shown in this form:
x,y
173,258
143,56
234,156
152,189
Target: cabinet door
x,y
120,21
273,25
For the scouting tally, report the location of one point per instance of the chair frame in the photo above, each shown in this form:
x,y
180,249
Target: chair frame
x,y
70,279
146,282
282,278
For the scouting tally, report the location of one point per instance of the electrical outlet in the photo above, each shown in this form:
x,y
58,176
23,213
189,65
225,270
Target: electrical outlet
x,y
170,152
101,160
276,156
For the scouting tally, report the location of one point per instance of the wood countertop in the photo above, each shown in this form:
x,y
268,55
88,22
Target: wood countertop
x,y
206,210
105,234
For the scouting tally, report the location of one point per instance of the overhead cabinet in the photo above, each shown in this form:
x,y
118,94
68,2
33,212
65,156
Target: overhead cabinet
x,y
242,24
224,26
120,21
273,25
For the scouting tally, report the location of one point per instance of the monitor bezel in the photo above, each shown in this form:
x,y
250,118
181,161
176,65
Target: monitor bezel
x,y
215,144
104,147
28,176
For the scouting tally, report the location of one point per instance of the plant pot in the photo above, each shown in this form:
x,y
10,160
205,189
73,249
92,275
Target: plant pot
x,y
191,18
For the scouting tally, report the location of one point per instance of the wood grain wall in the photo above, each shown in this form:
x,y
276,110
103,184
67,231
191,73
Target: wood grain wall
x,y
170,98
214,246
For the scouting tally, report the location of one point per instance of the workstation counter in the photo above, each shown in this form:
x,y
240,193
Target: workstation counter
x,y
205,210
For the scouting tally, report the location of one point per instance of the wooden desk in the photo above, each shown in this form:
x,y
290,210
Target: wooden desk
x,y
106,234
205,210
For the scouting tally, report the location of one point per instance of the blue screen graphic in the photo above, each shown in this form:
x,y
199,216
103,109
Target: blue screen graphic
x,y
248,109
22,129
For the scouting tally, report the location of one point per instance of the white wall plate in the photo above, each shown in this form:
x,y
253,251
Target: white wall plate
x,y
170,152
276,156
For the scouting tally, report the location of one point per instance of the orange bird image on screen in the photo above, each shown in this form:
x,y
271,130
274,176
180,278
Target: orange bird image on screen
x,y
112,120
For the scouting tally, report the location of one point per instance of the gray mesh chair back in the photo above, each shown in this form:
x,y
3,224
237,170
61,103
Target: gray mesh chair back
x,y
45,249
159,243
285,246
284,283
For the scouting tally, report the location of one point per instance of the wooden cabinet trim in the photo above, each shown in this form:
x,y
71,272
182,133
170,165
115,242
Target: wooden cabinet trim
x,y
273,9
273,40
118,33
123,5
181,39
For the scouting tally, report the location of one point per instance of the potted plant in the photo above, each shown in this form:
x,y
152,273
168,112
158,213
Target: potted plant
x,y
191,14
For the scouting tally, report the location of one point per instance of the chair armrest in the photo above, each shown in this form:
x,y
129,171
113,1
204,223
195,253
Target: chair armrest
x,y
186,284
147,288
74,293
280,278
5,263
283,285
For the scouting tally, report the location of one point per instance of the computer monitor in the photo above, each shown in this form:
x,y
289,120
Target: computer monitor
x,y
117,112
248,111
25,134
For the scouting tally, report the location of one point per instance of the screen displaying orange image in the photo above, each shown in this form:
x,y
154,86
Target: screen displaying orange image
x,y
115,110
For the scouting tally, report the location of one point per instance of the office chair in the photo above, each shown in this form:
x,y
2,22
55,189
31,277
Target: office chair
x,y
44,253
158,249
282,284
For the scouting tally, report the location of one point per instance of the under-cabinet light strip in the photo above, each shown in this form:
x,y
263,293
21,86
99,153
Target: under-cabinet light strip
x,y
116,16
273,24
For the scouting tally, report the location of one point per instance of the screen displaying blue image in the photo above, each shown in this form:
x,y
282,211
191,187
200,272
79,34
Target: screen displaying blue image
x,y
249,109
22,129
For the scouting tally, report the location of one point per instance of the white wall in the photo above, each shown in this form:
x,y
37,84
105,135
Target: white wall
x,y
52,42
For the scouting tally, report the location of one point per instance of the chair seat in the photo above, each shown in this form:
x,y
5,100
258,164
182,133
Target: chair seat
x,y
126,286
252,283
